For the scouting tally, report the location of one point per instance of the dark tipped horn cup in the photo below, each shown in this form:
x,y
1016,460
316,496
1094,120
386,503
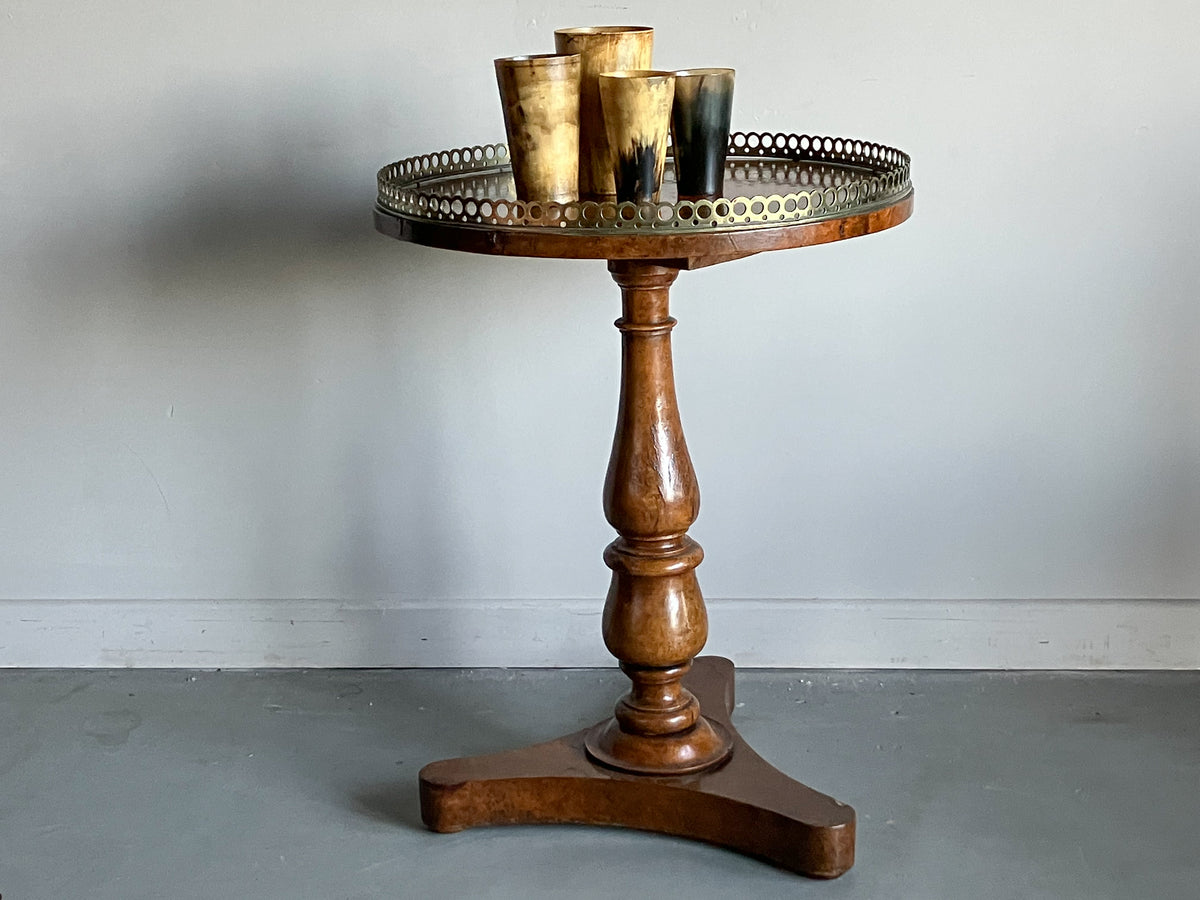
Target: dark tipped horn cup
x,y
637,118
700,118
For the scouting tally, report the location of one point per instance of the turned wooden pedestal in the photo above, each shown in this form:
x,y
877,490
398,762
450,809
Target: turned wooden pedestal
x,y
669,759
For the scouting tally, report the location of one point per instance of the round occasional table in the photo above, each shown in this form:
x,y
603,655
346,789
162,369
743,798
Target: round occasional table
x,y
669,759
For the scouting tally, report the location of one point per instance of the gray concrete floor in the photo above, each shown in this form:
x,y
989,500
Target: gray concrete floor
x,y
283,784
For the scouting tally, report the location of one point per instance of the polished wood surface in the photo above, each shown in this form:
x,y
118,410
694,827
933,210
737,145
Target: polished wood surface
x,y
654,618
744,804
669,759
690,250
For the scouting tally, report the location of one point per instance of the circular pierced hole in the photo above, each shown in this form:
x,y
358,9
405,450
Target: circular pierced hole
x,y
722,208
686,211
534,211
739,141
773,206
739,208
608,212
665,212
456,206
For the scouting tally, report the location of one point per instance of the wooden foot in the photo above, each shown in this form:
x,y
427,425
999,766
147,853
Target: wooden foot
x,y
743,803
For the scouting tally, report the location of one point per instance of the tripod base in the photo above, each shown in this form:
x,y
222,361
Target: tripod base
x,y
743,804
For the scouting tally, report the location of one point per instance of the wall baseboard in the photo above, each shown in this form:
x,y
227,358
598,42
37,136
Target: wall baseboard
x,y
907,634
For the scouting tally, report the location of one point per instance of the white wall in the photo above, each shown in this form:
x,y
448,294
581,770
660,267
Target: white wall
x,y
218,384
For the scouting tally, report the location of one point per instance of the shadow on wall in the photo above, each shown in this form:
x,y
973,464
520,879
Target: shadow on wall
x,y
259,192
228,251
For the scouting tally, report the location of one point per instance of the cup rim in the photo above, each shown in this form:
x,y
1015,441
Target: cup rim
x,y
623,74
546,59
603,29
685,73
